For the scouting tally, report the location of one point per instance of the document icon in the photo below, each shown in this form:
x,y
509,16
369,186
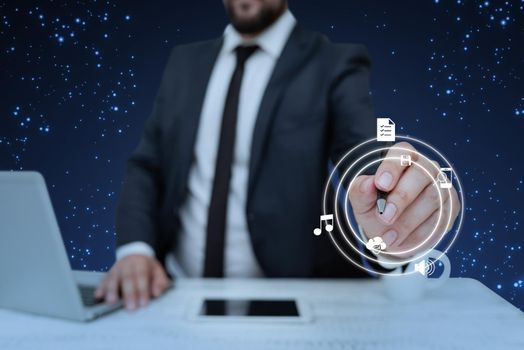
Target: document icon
x,y
385,129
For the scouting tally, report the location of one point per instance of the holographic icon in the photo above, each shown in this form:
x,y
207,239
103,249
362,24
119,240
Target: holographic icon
x,y
385,129
445,177
376,245
328,220
405,160
424,268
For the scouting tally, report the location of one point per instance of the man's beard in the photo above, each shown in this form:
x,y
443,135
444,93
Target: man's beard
x,y
265,18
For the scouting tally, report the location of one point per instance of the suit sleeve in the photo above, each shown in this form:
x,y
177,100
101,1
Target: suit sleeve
x,y
352,121
352,113
137,216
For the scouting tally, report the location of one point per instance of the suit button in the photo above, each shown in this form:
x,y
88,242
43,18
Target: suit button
x,y
251,216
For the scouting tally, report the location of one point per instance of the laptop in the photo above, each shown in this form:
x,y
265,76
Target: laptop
x,y
35,273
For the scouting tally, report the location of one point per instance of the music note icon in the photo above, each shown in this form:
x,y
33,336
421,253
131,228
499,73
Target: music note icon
x,y
328,226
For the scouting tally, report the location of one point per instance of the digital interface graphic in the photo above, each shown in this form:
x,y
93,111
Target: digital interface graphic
x,y
337,208
79,78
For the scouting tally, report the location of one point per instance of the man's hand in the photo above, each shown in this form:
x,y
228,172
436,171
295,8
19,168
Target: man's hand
x,y
137,278
412,206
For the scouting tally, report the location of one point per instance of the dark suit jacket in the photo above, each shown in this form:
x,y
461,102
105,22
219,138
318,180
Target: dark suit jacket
x,y
315,108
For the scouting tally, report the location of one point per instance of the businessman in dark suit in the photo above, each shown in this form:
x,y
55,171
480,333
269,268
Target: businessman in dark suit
x,y
228,177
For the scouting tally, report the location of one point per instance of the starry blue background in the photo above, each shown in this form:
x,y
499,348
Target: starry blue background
x,y
78,79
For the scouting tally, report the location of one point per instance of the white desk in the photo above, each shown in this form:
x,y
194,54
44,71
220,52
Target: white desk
x,y
346,315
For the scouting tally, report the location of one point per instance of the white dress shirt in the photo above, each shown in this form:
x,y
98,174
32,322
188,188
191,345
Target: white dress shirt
x,y
239,259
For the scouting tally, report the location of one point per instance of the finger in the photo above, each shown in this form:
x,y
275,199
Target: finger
x,y
111,286
363,194
160,280
421,234
419,211
100,291
390,170
142,286
410,185
128,285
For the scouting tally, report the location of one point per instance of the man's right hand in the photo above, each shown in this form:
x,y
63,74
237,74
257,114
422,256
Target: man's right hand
x,y
137,278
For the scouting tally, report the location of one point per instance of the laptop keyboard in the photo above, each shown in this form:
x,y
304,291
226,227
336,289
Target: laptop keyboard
x,y
88,295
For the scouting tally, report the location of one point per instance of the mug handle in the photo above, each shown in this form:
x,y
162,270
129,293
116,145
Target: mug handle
x,y
442,257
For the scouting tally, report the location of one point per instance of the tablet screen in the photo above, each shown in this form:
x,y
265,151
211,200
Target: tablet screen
x,y
249,308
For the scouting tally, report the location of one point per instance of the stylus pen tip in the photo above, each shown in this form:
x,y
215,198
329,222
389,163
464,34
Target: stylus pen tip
x,y
381,205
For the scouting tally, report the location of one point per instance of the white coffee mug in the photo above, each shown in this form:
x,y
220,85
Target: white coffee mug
x,y
412,285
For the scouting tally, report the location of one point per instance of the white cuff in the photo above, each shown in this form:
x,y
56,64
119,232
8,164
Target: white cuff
x,y
132,248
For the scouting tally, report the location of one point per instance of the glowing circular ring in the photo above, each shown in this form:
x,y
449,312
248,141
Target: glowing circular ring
x,y
334,171
353,230
415,257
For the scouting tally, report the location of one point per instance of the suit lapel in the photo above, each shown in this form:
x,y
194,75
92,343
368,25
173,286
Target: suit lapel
x,y
203,62
295,52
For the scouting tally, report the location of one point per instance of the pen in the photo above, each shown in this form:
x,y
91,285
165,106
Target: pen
x,y
381,201
381,195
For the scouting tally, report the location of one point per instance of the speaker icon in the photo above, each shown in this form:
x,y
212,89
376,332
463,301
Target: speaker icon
x,y
425,268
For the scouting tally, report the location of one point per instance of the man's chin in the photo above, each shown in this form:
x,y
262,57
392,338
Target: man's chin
x,y
254,21
248,26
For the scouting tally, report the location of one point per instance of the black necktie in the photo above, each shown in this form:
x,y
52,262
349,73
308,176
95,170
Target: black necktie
x,y
216,223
